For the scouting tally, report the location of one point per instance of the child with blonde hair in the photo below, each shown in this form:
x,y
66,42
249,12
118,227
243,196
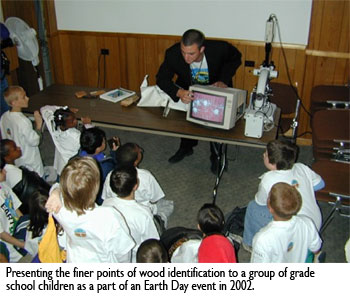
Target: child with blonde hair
x,y
94,233
288,238
17,127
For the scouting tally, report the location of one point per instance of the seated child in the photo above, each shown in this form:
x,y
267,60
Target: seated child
x,y
149,192
151,251
215,247
17,127
62,125
94,233
9,216
93,143
288,238
139,218
279,159
182,244
22,181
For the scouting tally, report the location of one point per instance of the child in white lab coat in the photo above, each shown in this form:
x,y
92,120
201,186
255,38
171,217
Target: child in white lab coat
x,y
62,125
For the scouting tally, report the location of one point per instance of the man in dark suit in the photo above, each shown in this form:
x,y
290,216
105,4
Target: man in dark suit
x,y
196,60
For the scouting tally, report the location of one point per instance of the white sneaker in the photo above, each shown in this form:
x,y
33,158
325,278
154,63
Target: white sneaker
x,y
247,248
235,237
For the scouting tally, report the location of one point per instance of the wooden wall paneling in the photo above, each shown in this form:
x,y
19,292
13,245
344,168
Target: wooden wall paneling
x,y
331,24
77,52
113,71
162,45
251,54
132,59
91,60
278,61
151,61
329,30
344,39
141,56
308,83
123,62
67,68
341,72
56,58
315,24
346,79
325,68
299,74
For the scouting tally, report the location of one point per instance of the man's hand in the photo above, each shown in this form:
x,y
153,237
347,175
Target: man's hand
x,y
38,120
186,96
54,203
115,144
86,120
220,84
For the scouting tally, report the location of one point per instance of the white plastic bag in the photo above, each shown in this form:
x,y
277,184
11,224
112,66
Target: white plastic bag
x,y
153,96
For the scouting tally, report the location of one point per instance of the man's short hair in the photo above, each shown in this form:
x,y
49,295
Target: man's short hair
x,y
123,180
211,219
11,94
285,200
80,182
91,139
126,155
151,251
193,36
282,154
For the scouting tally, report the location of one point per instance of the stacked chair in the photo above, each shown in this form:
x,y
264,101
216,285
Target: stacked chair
x,y
329,96
285,98
330,109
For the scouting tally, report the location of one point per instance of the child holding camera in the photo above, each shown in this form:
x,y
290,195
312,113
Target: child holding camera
x,y
93,144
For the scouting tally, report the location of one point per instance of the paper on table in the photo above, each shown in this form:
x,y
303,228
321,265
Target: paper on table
x,y
153,96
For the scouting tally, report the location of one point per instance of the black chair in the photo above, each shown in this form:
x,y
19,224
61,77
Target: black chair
x,y
329,96
336,192
286,99
331,134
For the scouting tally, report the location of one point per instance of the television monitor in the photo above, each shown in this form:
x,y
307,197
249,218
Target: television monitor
x,y
216,107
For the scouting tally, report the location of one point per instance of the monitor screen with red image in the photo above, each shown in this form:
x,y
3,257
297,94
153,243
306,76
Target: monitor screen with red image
x,y
208,107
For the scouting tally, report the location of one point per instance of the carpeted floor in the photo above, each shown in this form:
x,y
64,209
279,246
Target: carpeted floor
x,y
190,183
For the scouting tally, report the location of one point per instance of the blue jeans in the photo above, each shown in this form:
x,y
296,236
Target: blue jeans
x,y
256,217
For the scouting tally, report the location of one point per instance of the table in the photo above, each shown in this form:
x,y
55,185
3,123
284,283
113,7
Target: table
x,y
148,120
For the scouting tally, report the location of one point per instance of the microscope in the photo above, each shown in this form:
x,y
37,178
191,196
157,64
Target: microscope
x,y
260,111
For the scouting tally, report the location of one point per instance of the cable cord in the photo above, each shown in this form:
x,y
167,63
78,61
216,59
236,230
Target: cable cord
x,y
104,71
287,68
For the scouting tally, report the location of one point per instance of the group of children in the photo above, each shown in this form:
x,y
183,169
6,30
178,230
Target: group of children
x,y
109,210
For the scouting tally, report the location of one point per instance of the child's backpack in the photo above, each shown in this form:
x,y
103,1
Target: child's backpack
x,y
234,221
